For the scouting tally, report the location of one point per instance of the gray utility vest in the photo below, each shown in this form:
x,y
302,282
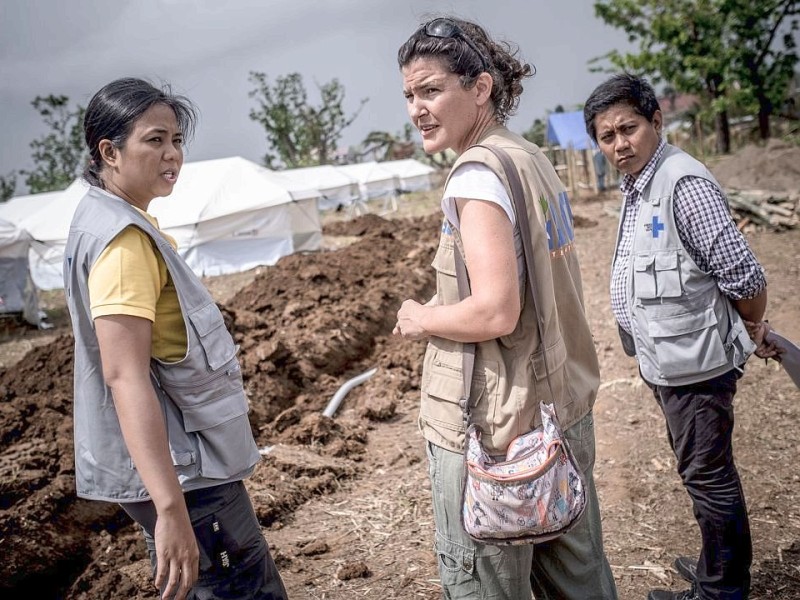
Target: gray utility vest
x,y
202,396
684,330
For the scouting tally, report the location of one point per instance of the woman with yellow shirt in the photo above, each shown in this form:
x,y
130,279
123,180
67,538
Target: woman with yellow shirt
x,y
161,421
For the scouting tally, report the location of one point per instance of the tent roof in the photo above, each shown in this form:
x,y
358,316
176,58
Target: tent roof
x,y
11,234
407,167
298,189
322,177
568,130
367,172
46,216
20,207
211,189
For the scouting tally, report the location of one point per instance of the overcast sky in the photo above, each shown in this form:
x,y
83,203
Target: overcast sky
x,y
206,49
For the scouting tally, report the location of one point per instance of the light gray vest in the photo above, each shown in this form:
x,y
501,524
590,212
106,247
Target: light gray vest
x,y
684,330
202,396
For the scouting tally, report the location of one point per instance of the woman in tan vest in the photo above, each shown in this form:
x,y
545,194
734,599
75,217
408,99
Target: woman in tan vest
x,y
460,87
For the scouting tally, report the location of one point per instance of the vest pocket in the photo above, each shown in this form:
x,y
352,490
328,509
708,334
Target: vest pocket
x,y
668,275
688,343
218,346
215,411
556,357
657,276
443,259
442,387
444,265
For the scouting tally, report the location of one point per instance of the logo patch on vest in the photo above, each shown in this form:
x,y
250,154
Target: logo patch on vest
x,y
559,224
655,227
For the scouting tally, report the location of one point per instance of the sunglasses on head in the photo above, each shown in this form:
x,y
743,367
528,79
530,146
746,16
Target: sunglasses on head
x,y
447,28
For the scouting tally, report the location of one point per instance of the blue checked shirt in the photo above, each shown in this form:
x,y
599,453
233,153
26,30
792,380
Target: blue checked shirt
x,y
706,229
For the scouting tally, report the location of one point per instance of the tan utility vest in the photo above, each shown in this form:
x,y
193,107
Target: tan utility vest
x,y
510,379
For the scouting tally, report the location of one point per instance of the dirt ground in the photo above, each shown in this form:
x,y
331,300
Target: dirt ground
x,y
344,502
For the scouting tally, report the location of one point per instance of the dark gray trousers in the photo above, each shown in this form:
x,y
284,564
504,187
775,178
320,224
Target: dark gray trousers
x,y
700,426
235,563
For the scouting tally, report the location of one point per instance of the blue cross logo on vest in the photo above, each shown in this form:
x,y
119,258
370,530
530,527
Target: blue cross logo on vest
x,y
656,226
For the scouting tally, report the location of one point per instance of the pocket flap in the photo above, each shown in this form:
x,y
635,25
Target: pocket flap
x,y
641,263
451,388
667,261
445,388
206,319
443,261
183,459
454,556
556,357
211,414
676,325
446,381
215,340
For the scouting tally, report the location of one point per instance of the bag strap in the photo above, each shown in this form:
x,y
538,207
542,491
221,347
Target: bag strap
x,y
468,351
462,278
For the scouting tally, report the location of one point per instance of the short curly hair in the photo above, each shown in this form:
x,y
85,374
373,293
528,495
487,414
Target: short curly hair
x,y
500,57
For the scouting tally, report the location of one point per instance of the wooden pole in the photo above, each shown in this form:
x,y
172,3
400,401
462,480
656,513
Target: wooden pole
x,y
592,172
571,171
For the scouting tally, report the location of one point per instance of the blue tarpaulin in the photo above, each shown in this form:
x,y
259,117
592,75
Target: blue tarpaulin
x,y
567,129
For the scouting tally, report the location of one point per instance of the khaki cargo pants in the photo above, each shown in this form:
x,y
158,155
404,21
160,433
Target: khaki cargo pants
x,y
572,567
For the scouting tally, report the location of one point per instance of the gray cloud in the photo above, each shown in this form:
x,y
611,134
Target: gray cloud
x,y
206,49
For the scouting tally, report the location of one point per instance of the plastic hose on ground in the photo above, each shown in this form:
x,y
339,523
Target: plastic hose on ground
x,y
343,391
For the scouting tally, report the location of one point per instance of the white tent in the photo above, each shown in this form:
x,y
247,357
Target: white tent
x,y
306,226
46,217
411,174
17,292
20,207
373,180
229,215
336,188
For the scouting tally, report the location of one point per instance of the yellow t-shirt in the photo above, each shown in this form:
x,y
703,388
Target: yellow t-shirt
x,y
130,277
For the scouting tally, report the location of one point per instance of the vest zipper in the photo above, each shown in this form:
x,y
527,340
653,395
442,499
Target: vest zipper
x,y
204,381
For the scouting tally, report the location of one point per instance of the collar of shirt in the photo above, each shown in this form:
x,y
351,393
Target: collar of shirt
x,y
631,186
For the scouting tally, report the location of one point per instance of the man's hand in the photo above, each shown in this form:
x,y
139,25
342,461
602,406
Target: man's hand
x,y
759,332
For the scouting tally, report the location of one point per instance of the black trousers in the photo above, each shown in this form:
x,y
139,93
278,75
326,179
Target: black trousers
x,y
700,425
235,562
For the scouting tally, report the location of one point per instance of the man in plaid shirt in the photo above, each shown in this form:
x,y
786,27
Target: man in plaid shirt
x,y
689,297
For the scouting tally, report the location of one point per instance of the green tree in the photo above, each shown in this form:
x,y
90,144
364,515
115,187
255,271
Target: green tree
x,y
8,185
680,42
59,156
536,133
727,51
299,134
763,64
386,146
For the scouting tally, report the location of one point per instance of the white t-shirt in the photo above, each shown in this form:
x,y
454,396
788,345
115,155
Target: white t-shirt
x,y
476,181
